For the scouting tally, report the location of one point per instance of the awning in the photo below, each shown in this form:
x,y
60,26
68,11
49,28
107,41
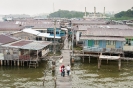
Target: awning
x,y
44,34
65,29
58,37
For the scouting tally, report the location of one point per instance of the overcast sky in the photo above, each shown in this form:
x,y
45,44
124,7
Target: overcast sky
x,y
33,7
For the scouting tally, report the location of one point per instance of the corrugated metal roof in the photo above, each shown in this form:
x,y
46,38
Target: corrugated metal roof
x,y
31,31
21,43
28,44
107,32
36,45
85,22
10,26
103,38
84,27
6,39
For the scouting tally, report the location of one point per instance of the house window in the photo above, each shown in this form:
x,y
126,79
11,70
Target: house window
x,y
128,41
96,42
108,42
113,43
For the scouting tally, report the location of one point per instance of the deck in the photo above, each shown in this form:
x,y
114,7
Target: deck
x,y
64,82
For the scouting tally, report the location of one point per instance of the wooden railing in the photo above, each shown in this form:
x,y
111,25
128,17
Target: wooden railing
x,y
97,49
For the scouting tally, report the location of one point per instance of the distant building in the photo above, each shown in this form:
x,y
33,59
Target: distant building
x,y
95,15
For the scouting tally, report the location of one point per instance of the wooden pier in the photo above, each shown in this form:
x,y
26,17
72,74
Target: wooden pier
x,y
64,82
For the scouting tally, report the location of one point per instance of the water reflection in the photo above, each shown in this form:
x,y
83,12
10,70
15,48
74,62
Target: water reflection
x,y
23,77
84,75
87,75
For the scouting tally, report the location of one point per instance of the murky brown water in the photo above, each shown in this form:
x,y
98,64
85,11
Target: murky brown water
x,y
84,75
87,75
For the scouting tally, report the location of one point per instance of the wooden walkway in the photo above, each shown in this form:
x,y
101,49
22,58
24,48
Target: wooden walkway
x,y
64,82
96,55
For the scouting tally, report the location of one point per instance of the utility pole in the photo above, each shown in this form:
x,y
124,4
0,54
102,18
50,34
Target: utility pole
x,y
54,36
72,58
54,49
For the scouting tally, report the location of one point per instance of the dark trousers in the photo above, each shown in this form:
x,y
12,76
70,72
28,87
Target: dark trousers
x,y
63,73
68,71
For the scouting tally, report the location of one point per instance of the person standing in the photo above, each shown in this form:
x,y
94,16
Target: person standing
x,y
68,69
63,71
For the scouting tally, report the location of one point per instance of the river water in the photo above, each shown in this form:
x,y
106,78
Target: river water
x,y
84,75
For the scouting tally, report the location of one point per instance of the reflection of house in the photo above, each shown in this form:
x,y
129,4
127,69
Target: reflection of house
x,y
25,51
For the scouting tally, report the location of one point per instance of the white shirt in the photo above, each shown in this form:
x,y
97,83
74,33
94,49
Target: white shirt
x,y
68,67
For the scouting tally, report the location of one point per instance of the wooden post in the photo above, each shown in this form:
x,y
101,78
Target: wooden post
x,y
14,63
1,62
107,60
127,60
4,62
23,63
119,64
72,60
37,64
83,56
27,63
83,59
55,80
11,62
18,62
99,63
53,66
7,62
89,59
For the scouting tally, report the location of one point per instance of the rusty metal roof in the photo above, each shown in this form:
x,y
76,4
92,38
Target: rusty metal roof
x,y
36,45
21,43
6,39
10,26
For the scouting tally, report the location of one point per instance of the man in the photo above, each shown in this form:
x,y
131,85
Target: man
x,y
61,69
68,69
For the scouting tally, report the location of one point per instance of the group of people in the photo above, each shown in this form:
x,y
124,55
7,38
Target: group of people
x,y
64,69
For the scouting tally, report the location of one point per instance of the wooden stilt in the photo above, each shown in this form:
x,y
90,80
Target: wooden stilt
x,y
119,64
27,63
11,62
127,60
14,63
83,59
99,63
72,60
7,62
1,62
89,59
18,62
23,63
37,64
4,62
107,61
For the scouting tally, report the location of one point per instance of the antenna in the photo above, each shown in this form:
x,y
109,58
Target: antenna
x,y
53,7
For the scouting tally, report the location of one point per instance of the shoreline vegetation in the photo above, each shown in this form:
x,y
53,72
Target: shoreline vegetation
x,y
124,15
